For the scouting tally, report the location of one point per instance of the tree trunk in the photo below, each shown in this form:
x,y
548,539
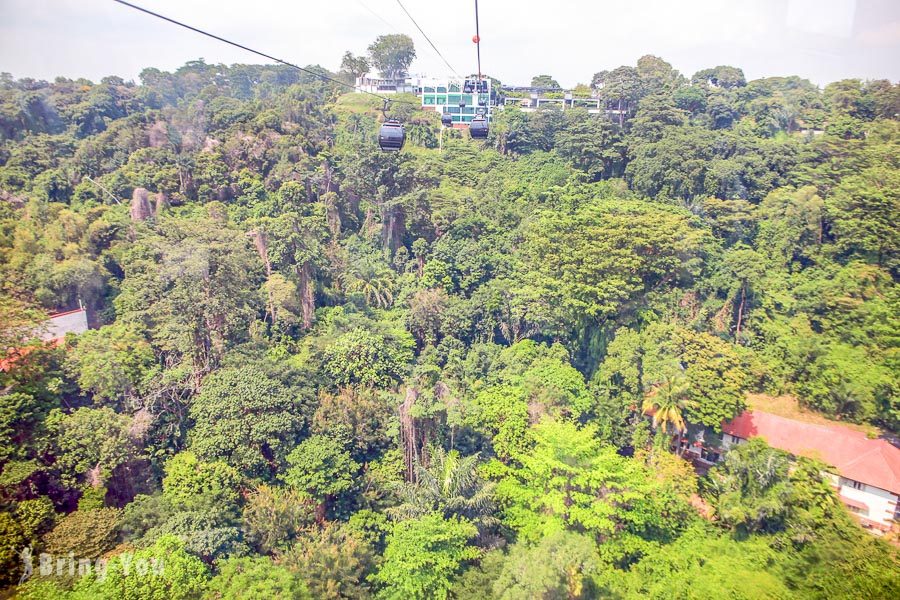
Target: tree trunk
x,y
740,317
261,243
307,295
140,205
408,434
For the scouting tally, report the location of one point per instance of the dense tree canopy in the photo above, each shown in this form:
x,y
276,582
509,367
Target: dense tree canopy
x,y
468,369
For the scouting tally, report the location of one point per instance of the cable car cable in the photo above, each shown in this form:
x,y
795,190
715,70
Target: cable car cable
x,y
258,53
477,40
449,66
377,16
479,127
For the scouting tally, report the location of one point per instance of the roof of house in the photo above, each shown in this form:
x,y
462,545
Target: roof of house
x,y
52,333
58,325
854,455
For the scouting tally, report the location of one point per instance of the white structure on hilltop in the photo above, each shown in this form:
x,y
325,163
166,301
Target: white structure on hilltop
x,y
444,95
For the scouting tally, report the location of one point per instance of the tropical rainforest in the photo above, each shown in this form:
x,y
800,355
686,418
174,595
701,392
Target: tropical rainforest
x,y
318,370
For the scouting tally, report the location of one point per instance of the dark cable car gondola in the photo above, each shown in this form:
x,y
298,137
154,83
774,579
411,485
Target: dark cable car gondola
x,y
446,119
392,136
478,128
468,86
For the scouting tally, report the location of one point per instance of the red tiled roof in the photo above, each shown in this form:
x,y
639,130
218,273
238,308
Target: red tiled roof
x,y
855,456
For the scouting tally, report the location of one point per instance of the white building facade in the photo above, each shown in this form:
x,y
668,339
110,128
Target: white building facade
x,y
443,95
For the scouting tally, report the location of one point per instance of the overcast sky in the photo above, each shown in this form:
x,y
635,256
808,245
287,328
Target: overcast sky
x,y
823,40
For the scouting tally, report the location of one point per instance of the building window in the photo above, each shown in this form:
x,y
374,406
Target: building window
x,y
856,485
428,100
429,90
453,98
442,100
442,89
454,87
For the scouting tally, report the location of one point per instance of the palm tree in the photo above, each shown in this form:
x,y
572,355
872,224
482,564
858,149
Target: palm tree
x,y
449,484
667,403
374,282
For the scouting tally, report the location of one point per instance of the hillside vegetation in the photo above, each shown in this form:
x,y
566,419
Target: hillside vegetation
x,y
319,370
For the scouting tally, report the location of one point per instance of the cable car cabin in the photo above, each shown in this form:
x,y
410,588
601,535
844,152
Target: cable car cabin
x,y
446,120
469,86
482,87
391,136
478,128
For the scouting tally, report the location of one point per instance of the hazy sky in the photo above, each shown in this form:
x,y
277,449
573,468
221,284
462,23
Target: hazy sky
x,y
823,40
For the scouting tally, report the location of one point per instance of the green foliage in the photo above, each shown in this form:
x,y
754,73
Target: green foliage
x,y
864,211
189,481
422,557
189,282
320,467
450,485
502,414
361,414
569,480
281,302
35,516
361,357
591,262
111,362
392,54
259,577
274,516
12,540
88,533
247,419
701,564
561,565
758,489
702,374
842,380
165,570
335,562
751,489
545,374
92,439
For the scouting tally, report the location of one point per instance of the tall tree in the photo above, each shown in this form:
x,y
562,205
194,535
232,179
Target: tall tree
x,y
392,54
667,402
248,419
354,66
422,556
544,81
188,283
449,484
